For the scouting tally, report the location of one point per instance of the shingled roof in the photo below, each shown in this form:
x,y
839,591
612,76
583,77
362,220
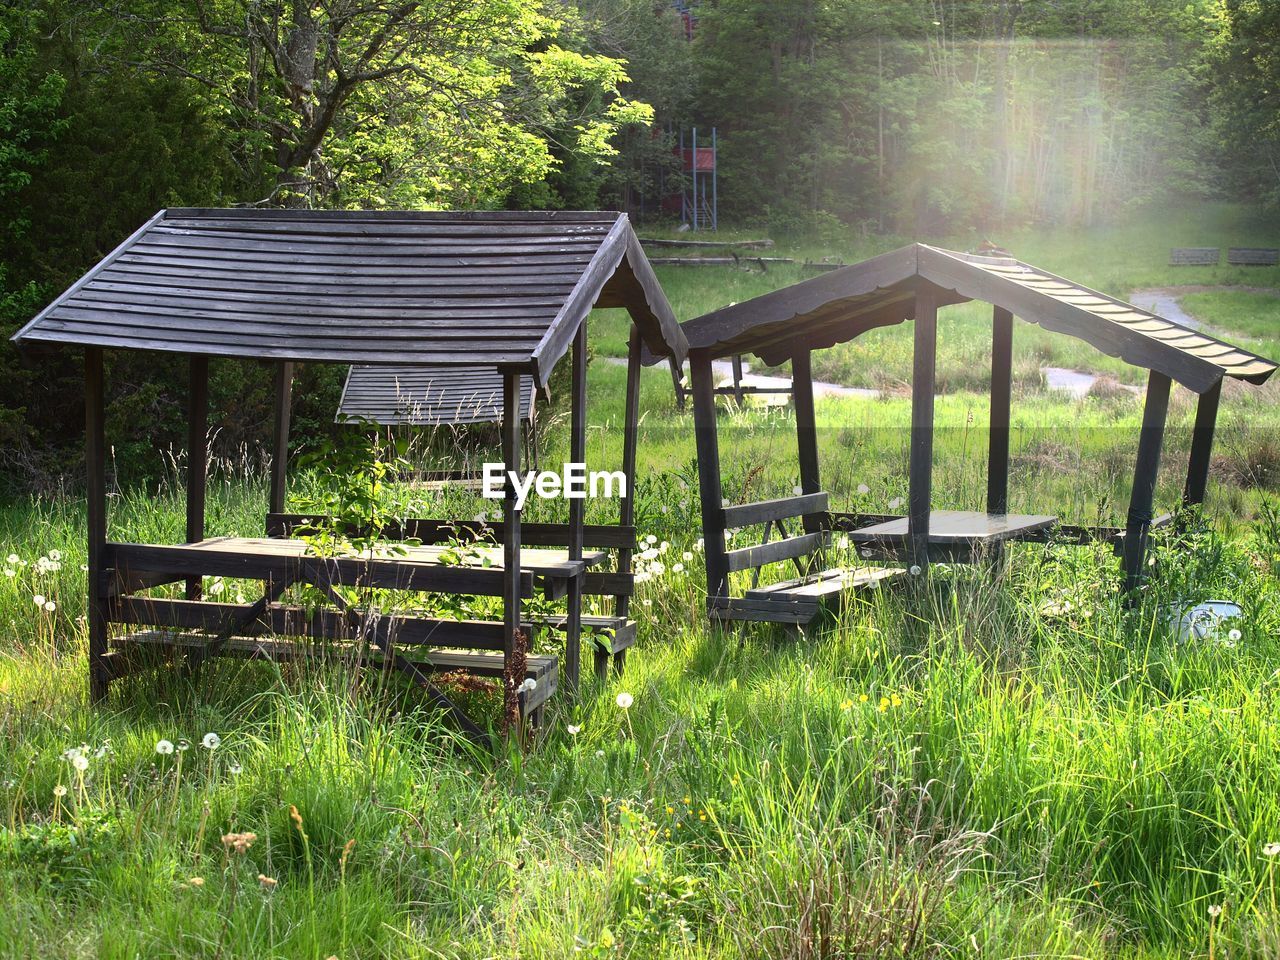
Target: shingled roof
x,y
840,305
496,289
427,396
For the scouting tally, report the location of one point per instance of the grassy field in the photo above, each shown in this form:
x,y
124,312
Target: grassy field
x,y
978,766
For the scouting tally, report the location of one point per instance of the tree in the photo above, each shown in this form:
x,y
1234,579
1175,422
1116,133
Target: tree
x,y
377,103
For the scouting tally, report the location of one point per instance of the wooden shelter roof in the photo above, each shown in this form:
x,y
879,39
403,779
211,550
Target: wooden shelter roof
x,y
838,306
497,289
427,396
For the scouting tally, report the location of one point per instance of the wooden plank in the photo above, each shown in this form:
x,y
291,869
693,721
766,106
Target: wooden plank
x,y
1001,405
512,592
830,584
630,442
765,611
577,454
1253,256
711,493
958,526
806,433
1194,256
282,407
433,531
714,244
197,456
789,549
96,508
920,470
1201,458
1145,471
764,511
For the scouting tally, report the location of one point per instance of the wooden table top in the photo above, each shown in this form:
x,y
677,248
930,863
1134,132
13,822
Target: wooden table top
x,y
960,526
542,561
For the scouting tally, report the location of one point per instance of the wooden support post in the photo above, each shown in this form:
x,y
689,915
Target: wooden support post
x,y
577,454
737,378
630,442
280,442
511,599
197,458
96,504
920,478
1201,446
709,489
1001,401
806,428
677,375
1146,469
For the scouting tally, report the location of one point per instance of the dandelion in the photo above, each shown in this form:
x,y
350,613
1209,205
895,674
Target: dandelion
x,y
895,503
10,572
234,767
574,729
1271,849
1215,910
863,698
625,700
846,704
863,489
211,741
267,883
39,599
184,745
55,555
50,606
797,490
651,538
647,602
13,558
60,791
687,556
528,686
164,747
698,544
658,569
663,547
600,754
915,570
80,763
677,568
884,704
1234,635
217,587
196,882
896,700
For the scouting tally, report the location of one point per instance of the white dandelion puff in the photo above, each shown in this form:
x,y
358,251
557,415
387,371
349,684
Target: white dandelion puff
x,y
625,700
211,741
164,747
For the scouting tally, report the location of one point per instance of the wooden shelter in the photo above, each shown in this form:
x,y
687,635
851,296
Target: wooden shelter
x,y
507,291
911,284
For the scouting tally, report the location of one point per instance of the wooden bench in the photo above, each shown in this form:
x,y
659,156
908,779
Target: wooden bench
x,y
1253,256
798,601
1195,256
542,670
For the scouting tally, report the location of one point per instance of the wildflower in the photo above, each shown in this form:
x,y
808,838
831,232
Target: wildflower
x,y
663,547
625,700
797,490
658,569
863,698
863,489
13,558
1234,635
164,747
647,602
843,542
846,704
600,754
211,741
915,570
60,791
528,686
896,700
55,556
10,572
574,729
50,606
267,883
884,704
196,882
649,554
670,809
698,544
664,508
1215,910
234,767
217,587
677,568
238,842
184,745
80,762
39,599
1271,849
895,503
687,556
651,539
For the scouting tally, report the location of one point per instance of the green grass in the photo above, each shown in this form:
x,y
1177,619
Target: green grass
x,y
980,765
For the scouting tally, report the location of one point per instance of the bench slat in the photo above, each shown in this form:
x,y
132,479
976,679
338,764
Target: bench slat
x,y
764,511
790,549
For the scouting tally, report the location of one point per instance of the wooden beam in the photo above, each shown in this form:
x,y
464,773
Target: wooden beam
x,y
920,479
766,511
806,429
96,504
577,454
511,597
736,362
197,457
709,489
1133,548
1001,402
630,443
280,442
1202,446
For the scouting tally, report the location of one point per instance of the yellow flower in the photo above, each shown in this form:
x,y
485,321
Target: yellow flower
x,y
846,704
897,700
884,704
670,809
687,801
863,698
